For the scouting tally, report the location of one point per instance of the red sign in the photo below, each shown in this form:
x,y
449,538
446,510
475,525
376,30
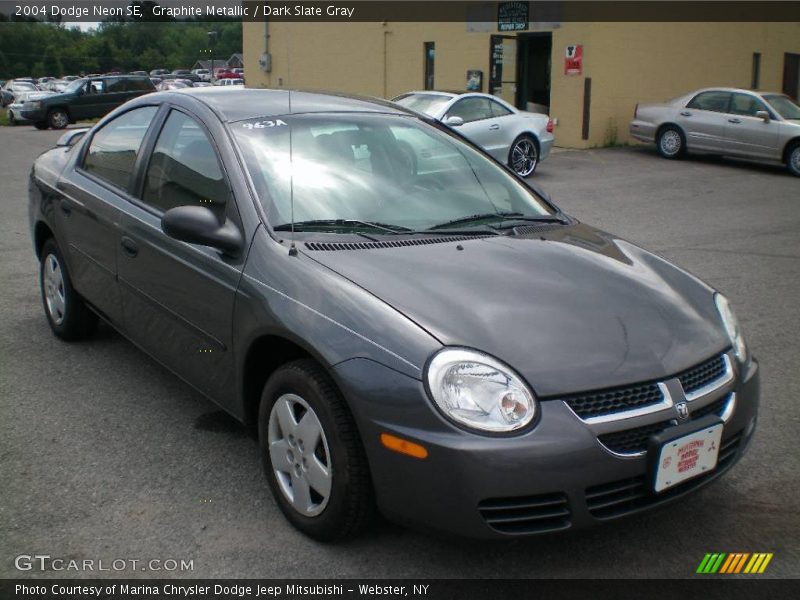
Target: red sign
x,y
573,60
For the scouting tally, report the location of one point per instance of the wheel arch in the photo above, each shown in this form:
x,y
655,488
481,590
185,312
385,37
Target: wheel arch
x,y
264,356
41,233
666,124
63,107
795,141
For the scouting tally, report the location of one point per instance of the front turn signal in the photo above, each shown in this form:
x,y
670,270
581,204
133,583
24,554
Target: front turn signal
x,y
392,442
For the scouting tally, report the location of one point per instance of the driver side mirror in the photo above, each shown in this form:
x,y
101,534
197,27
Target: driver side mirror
x,y
763,115
454,121
199,225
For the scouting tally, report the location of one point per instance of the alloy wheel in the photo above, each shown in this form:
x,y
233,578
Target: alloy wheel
x,y
794,160
671,142
299,455
524,157
54,289
59,119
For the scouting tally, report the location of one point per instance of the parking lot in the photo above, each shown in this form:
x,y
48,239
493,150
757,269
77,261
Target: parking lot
x,y
106,455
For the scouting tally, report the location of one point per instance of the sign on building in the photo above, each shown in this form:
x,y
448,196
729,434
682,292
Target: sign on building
x,y
512,16
573,60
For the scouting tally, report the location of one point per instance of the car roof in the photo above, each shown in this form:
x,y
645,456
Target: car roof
x,y
733,89
236,103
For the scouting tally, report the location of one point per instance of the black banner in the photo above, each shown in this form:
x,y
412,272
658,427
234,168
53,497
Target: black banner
x,y
400,10
706,587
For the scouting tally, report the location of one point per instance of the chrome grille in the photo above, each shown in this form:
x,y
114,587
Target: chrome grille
x,y
703,374
528,514
606,402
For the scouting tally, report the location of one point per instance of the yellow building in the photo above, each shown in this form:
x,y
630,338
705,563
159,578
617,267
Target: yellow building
x,y
613,65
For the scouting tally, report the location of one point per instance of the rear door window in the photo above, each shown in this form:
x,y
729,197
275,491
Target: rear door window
x,y
712,101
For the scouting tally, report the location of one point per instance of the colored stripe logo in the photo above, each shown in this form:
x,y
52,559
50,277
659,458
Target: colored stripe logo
x,y
734,562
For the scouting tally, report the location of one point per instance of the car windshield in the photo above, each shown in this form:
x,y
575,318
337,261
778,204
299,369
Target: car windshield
x,y
389,169
74,86
22,86
428,104
783,105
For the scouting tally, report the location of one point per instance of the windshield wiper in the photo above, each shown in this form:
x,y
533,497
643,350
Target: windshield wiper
x,y
325,223
505,216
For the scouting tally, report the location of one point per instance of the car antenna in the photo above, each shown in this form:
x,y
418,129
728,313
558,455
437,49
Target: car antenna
x,y
292,247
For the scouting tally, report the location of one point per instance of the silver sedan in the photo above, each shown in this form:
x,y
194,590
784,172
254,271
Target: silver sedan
x,y
727,121
515,137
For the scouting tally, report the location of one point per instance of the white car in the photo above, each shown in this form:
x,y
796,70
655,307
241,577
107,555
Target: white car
x,y
515,137
203,74
15,108
229,82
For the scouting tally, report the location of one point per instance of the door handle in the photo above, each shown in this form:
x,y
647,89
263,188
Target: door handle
x,y
129,246
494,127
686,113
65,208
734,121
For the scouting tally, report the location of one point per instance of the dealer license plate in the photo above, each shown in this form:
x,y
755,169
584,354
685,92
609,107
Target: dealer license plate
x,y
687,457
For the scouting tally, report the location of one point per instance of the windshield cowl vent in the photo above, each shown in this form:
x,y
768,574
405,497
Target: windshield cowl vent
x,y
332,246
535,230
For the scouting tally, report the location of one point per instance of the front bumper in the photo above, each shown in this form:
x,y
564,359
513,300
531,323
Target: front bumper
x,y
33,115
556,476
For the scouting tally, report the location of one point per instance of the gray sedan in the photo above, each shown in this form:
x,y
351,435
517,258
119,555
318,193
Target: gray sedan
x,y
408,325
728,121
519,138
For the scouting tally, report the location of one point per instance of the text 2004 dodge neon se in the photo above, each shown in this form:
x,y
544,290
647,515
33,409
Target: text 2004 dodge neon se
x,y
409,325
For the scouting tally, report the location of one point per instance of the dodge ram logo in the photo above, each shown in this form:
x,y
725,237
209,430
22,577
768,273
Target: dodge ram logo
x,y
683,410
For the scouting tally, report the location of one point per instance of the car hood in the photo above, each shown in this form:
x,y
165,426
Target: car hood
x,y
29,96
570,309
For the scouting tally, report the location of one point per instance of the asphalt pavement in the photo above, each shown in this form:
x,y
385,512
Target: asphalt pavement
x,y
104,455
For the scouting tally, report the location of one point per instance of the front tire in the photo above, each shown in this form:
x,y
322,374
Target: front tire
x,y
58,118
793,159
671,142
66,312
524,156
312,454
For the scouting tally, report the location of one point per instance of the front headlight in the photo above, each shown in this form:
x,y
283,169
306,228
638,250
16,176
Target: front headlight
x,y
32,105
478,391
732,327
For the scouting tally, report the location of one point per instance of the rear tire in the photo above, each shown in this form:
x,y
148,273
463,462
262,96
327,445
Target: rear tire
x,y
523,157
671,142
58,118
67,313
41,125
793,159
312,454
11,120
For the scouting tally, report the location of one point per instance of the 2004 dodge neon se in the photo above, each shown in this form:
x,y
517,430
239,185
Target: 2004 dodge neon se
x,y
410,326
